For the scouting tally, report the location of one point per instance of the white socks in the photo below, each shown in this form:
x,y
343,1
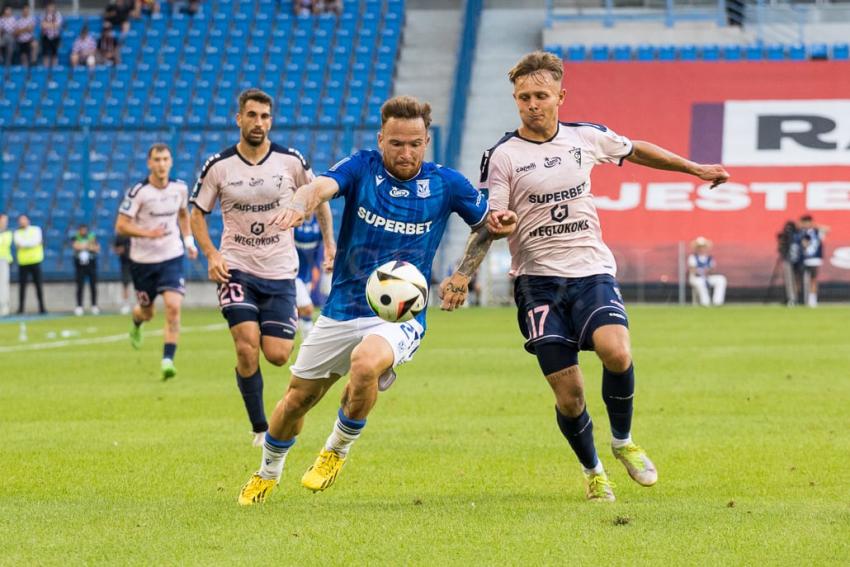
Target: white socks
x,y
274,457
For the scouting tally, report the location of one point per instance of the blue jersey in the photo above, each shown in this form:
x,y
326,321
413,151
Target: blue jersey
x,y
308,238
387,219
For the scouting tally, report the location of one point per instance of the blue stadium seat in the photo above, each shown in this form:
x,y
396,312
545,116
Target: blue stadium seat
x,y
645,52
710,52
667,53
732,52
754,53
622,53
841,51
599,52
775,52
797,53
819,51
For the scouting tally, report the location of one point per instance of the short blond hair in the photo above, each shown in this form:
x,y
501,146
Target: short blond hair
x,y
537,61
405,108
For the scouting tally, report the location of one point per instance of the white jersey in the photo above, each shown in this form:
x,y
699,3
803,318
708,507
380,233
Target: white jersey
x,y
251,195
150,207
547,184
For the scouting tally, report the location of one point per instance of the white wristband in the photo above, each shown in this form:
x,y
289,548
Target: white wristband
x,y
189,241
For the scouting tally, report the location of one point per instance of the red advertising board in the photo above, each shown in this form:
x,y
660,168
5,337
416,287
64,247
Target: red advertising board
x,y
781,128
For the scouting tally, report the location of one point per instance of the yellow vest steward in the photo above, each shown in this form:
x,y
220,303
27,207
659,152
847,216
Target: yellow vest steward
x,y
31,255
6,246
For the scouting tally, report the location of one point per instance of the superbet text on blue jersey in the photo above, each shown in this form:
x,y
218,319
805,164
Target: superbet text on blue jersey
x,y
388,219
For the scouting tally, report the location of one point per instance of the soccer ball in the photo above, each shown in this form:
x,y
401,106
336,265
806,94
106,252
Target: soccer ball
x,y
397,291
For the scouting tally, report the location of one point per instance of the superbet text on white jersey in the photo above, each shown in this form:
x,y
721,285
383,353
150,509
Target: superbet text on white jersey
x,y
547,184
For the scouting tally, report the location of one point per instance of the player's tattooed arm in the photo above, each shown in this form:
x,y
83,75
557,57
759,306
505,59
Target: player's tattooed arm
x,y
454,289
650,155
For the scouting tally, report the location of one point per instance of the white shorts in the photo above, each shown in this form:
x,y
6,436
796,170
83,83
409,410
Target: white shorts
x,y
302,294
328,347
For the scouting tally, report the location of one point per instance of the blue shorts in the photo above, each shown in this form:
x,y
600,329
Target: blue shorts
x,y
567,310
269,303
152,279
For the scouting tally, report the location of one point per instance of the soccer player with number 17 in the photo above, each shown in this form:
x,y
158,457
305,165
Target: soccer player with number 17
x,y
565,291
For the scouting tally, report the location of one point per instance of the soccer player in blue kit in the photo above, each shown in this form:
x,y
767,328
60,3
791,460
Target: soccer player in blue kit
x,y
396,208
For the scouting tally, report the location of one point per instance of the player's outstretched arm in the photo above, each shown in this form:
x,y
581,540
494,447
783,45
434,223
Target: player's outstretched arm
x,y
305,201
454,289
126,227
650,155
216,266
186,232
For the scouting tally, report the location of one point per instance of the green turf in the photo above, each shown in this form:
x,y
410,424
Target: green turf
x,y
743,409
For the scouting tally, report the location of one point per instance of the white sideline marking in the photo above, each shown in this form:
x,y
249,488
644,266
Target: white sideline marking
x,y
106,339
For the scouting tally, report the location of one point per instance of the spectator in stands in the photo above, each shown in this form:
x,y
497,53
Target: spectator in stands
x,y
8,26
30,249
147,7
25,36
327,7
303,7
5,263
701,274
107,46
86,249
118,14
84,51
191,8
811,236
121,247
51,34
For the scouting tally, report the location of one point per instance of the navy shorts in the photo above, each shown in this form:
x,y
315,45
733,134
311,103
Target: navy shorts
x,y
152,279
567,310
269,303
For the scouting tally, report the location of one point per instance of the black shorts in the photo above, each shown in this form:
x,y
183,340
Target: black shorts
x,y
567,310
49,47
152,279
269,303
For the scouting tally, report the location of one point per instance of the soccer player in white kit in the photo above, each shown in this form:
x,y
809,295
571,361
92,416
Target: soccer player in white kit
x,y
256,266
565,291
154,215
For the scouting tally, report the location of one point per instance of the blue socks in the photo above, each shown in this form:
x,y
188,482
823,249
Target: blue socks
x,y
252,394
618,392
579,434
169,350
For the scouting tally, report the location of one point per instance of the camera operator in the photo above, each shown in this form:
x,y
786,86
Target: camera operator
x,y
789,253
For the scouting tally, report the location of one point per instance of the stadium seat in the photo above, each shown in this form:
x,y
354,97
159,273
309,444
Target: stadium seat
x,y
754,53
710,52
841,51
732,52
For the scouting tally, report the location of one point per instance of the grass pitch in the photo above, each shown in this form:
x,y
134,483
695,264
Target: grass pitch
x,y
743,409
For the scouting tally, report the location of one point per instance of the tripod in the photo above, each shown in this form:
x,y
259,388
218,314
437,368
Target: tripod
x,y
789,278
